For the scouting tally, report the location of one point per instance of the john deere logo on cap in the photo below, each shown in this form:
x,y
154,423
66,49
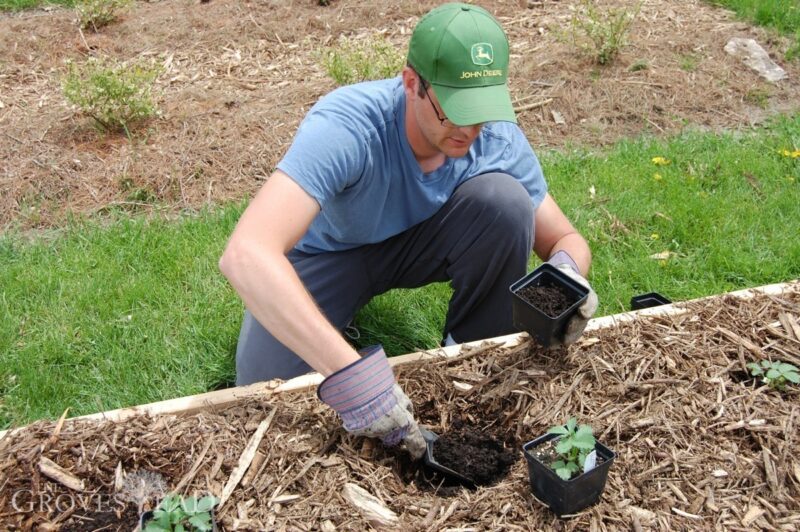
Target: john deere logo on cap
x,y
482,53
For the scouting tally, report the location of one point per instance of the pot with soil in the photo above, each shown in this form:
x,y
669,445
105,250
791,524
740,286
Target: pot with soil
x,y
567,468
543,302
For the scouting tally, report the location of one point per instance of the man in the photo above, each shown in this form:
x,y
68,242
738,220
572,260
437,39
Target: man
x,y
397,183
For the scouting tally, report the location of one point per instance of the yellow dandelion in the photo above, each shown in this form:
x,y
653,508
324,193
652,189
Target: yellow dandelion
x,y
660,161
662,263
793,154
657,177
655,236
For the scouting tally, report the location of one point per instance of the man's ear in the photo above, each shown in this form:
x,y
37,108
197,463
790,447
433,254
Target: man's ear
x,y
410,82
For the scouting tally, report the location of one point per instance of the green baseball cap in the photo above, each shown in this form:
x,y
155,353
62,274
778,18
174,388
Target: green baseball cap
x,y
462,51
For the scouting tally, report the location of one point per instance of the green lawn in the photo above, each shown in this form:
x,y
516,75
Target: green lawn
x,y
108,313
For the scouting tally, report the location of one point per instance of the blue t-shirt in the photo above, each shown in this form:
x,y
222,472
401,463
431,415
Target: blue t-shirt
x,y
352,155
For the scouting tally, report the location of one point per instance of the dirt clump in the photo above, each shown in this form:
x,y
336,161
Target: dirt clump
x,y
552,300
475,455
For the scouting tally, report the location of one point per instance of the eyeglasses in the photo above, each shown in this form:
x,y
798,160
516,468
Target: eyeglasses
x,y
442,119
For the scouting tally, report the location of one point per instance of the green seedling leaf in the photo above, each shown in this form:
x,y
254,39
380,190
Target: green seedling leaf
x,y
201,522
207,503
558,429
793,377
571,424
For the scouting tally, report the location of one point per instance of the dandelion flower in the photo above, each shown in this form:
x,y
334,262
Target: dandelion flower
x,y
657,177
660,161
654,236
793,154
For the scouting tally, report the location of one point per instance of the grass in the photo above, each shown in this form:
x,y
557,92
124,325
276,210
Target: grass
x,y
19,5
109,313
99,316
782,15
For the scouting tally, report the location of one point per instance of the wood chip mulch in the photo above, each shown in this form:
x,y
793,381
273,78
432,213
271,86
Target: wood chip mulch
x,y
700,445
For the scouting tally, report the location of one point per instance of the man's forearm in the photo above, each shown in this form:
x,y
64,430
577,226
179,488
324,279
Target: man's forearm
x,y
275,295
577,248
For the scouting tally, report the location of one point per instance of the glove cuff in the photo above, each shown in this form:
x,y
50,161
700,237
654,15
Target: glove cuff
x,y
361,392
561,257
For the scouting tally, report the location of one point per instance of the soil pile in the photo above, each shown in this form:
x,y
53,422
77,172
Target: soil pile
x,y
552,300
475,455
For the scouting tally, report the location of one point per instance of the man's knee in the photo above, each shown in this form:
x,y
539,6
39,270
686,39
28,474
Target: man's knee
x,y
504,200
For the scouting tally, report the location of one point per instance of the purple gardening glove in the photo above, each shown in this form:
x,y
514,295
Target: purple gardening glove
x,y
577,323
371,403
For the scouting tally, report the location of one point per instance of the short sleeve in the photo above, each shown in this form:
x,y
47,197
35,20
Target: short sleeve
x,y
327,155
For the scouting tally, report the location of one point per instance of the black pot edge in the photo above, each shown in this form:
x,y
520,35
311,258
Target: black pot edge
x,y
607,454
518,285
649,300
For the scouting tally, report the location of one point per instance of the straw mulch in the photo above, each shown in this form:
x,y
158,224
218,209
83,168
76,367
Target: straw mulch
x,y
700,446
239,76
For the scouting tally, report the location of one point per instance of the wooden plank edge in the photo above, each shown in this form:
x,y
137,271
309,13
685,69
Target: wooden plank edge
x,y
222,398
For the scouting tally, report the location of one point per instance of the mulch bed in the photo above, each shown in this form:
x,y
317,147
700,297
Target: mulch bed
x,y
239,76
699,447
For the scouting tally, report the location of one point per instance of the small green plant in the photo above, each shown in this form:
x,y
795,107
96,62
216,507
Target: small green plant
x,y
98,13
601,34
114,94
758,97
639,64
574,445
353,60
774,374
688,62
179,514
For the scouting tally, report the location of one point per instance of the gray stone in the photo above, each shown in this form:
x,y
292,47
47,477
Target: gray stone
x,y
756,58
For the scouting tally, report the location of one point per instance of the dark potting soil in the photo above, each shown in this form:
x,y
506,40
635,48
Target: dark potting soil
x,y
552,299
475,455
110,517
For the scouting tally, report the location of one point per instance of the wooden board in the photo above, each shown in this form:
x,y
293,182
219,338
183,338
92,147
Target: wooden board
x,y
223,398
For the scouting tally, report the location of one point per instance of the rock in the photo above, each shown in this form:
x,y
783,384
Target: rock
x,y
756,58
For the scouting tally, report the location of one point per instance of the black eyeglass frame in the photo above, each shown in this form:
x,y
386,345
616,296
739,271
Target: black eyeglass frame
x,y
445,122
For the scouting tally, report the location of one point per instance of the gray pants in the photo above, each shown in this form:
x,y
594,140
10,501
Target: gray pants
x,y
480,240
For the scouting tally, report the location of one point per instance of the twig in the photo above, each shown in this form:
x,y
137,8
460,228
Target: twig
x,y
533,105
245,459
54,471
195,467
86,44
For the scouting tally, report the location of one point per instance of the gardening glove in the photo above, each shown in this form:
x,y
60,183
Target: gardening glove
x,y
371,403
577,323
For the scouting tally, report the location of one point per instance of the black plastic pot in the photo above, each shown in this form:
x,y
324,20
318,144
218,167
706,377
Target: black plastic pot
x,y
652,299
148,515
527,317
567,496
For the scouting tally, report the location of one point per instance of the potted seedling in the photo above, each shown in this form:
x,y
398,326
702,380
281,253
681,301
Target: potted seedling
x,y
181,514
543,301
567,467
774,374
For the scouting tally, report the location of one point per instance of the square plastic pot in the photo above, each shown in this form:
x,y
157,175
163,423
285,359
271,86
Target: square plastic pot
x,y
652,299
567,496
545,329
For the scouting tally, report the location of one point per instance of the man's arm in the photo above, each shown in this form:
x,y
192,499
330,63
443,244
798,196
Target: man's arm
x,y
255,263
554,233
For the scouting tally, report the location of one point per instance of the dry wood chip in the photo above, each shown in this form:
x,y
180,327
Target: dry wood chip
x,y
753,513
245,459
54,471
372,508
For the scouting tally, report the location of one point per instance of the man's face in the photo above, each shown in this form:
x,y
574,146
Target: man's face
x,y
452,140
